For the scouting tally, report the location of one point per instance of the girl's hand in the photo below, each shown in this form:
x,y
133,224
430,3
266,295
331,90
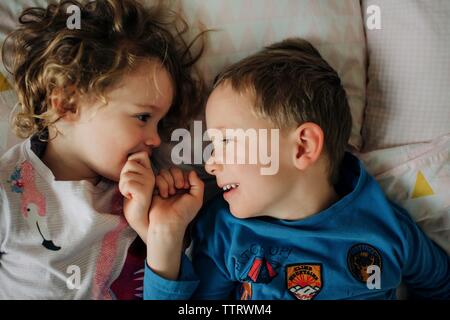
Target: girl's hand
x,y
136,184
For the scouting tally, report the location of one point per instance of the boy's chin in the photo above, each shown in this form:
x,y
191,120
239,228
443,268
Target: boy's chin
x,y
240,213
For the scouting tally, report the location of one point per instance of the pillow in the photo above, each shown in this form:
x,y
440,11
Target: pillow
x,y
7,101
408,96
335,28
417,177
10,10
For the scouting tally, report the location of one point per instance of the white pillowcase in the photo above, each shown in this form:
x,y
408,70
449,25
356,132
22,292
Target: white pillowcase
x,y
245,26
417,177
408,92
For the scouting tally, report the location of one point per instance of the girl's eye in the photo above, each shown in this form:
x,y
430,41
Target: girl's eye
x,y
143,117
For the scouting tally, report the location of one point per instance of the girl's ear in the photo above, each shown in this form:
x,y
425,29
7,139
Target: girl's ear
x,y
59,102
309,139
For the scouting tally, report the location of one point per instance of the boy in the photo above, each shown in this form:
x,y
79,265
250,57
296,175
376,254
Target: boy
x,y
320,228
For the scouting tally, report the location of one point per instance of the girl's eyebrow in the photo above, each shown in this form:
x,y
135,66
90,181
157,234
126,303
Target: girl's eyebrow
x,y
146,106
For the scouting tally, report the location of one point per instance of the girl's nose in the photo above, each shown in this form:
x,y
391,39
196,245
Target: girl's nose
x,y
153,139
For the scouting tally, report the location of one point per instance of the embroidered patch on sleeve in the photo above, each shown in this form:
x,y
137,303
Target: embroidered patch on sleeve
x,y
246,291
260,264
304,280
360,257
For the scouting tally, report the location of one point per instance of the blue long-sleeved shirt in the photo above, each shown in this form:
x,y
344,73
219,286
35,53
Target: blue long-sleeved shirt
x,y
361,247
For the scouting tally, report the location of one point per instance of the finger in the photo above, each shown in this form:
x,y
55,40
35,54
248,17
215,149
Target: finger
x,y
122,188
177,177
130,189
163,186
134,166
186,180
142,157
126,176
145,176
169,179
197,185
125,192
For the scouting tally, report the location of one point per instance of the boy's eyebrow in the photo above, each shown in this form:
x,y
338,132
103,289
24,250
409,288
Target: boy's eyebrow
x,y
222,128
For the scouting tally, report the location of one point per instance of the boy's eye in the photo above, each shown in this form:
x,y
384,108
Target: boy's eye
x,y
143,117
220,143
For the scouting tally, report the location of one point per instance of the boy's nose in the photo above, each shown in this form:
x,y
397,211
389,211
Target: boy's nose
x,y
212,167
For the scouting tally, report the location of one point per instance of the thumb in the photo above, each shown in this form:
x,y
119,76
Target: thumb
x,y
197,185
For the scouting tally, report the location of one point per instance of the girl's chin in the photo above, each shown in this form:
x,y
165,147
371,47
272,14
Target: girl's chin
x,y
112,176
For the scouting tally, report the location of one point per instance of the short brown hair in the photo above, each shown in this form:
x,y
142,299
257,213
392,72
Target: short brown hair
x,y
115,35
292,84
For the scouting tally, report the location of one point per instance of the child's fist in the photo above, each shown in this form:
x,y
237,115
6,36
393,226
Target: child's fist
x,y
173,209
136,184
168,181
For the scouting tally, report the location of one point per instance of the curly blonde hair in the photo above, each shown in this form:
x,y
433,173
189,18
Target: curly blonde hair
x,y
115,35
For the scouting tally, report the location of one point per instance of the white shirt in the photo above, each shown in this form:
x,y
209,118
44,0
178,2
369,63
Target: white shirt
x,y
58,239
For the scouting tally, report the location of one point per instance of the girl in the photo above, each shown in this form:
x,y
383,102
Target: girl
x,y
91,102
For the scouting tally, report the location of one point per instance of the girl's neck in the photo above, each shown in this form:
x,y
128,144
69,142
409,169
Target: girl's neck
x,y
65,165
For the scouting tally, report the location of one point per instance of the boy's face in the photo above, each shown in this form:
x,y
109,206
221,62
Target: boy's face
x,y
257,194
107,134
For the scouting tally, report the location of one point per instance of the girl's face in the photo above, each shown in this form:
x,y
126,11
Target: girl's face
x,y
104,136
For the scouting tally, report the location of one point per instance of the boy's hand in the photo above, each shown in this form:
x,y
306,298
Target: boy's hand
x,y
168,181
136,184
170,214
176,209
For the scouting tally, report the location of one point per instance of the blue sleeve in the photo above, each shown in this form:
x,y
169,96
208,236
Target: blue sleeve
x,y
211,284
210,254
215,283
207,277
426,271
158,288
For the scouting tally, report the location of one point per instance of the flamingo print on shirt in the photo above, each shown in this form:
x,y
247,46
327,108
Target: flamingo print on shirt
x,y
32,202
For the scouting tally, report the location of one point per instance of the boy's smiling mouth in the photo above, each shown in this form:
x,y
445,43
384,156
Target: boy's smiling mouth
x,y
229,186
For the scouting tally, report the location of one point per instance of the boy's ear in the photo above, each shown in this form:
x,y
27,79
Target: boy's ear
x,y
59,103
309,139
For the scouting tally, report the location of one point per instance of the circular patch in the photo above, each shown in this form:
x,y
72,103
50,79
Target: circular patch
x,y
360,257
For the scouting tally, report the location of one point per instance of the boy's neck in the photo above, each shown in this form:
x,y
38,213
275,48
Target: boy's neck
x,y
307,200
